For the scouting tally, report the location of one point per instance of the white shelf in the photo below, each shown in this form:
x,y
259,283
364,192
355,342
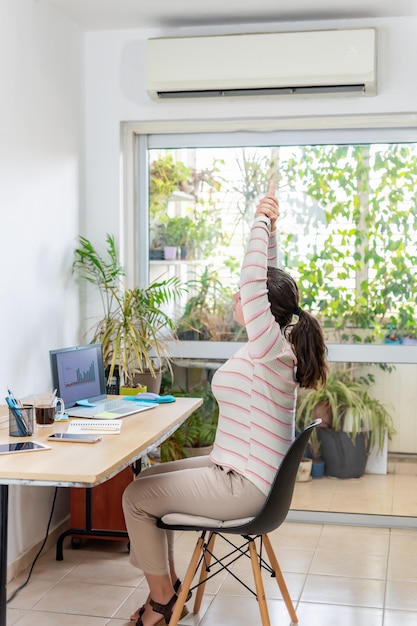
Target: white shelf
x,y
338,353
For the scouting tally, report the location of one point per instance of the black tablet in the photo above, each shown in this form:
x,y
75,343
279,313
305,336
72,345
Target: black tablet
x,y
22,446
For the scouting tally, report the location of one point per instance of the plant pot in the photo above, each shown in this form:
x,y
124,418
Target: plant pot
x,y
409,341
317,469
304,470
156,254
323,411
170,253
199,451
393,341
188,335
377,462
344,458
145,379
132,391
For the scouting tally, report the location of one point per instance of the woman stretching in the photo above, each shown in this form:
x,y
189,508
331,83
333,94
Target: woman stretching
x,y
256,392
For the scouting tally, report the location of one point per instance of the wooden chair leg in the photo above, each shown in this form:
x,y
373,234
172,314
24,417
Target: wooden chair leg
x,y
203,573
188,578
280,578
260,591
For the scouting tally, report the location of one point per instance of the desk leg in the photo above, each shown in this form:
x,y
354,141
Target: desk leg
x,y
88,531
4,503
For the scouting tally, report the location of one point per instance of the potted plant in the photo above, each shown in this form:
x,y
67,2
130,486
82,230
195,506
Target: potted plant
x,y
406,322
392,336
134,329
175,233
318,464
208,312
353,421
304,470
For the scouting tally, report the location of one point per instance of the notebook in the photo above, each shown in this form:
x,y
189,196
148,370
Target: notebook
x,y
95,427
78,376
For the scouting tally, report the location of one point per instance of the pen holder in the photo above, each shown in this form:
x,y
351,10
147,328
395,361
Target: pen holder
x,y
21,421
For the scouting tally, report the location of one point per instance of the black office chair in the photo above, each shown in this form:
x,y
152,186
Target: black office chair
x,y
270,517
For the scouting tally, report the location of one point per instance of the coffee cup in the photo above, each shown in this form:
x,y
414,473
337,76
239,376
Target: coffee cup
x,y
46,411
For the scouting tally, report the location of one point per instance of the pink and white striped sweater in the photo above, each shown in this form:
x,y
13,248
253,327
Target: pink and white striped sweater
x,y
256,388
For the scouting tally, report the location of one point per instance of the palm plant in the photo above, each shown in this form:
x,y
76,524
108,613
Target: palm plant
x,y
134,329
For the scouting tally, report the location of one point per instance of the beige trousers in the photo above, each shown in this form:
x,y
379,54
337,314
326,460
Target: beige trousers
x,y
195,486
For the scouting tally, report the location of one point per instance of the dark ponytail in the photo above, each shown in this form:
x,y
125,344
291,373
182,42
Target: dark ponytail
x,y
305,336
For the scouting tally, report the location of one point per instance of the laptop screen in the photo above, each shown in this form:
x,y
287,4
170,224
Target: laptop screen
x,y
78,373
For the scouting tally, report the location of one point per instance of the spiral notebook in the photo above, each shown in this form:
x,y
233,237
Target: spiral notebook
x,y
87,427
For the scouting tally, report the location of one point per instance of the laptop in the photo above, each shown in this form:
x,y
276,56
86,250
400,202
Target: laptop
x,y
79,378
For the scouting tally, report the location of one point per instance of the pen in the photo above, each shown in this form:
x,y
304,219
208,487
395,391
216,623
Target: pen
x,y
109,429
11,396
22,427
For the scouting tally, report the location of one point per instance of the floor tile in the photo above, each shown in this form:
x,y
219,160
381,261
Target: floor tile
x,y
43,618
344,591
82,599
355,540
107,571
394,618
402,595
344,563
403,567
336,615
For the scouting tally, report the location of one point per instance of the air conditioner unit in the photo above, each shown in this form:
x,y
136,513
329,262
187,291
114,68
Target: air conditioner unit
x,y
295,63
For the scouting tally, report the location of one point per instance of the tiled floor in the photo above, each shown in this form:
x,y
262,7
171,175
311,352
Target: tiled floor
x,y
336,575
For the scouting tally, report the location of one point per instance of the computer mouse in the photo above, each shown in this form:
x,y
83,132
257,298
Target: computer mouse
x,y
147,395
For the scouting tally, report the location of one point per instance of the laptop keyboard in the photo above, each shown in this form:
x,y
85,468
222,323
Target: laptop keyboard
x,y
112,405
120,407
109,406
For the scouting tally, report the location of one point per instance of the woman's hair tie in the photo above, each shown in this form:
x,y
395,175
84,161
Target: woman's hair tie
x,y
297,311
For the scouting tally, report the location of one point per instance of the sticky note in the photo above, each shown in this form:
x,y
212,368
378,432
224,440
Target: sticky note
x,y
85,403
107,415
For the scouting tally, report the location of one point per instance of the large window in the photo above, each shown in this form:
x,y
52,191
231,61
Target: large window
x,y
348,234
348,230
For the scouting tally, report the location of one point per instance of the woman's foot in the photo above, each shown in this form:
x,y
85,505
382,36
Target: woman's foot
x,y
135,616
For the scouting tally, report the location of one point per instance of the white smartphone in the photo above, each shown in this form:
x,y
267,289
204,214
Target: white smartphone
x,y
74,438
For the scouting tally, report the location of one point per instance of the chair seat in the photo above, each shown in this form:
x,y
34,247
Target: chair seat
x,y
198,522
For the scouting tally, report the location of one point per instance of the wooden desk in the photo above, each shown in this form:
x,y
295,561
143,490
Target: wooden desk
x,y
81,465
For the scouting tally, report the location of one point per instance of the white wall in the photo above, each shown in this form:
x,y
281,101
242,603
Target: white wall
x,y
41,108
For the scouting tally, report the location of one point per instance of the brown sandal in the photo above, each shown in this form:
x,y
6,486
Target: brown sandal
x,y
184,611
164,609
177,586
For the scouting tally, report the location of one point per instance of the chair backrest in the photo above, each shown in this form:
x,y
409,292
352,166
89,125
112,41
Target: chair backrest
x,y
277,504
